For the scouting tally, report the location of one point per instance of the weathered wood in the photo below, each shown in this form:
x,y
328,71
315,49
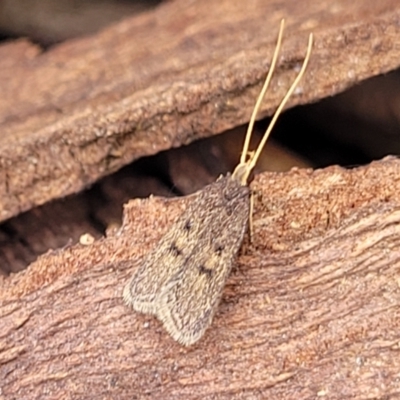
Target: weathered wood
x,y
183,71
312,310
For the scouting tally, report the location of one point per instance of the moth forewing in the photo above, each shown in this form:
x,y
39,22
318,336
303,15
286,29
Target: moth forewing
x,y
163,261
181,279
187,303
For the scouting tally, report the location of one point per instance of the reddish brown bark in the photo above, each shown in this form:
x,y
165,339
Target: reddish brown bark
x,y
87,107
312,308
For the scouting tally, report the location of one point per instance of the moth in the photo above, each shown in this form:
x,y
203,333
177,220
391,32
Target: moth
x,y
180,281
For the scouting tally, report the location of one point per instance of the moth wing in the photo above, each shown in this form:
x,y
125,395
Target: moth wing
x,y
164,261
188,301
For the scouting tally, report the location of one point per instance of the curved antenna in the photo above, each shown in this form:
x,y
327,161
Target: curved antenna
x,y
243,169
262,94
252,162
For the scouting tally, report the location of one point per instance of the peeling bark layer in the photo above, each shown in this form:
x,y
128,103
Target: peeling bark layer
x,y
183,71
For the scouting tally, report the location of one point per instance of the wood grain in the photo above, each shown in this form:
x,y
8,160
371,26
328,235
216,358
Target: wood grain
x,y
87,107
312,309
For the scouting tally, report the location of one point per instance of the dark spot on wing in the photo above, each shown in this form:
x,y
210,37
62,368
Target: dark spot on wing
x,y
206,271
219,249
188,225
175,250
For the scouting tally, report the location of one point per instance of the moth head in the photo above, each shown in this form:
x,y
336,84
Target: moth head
x,y
241,173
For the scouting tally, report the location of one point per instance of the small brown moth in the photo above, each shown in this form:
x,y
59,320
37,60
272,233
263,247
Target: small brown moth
x,y
181,280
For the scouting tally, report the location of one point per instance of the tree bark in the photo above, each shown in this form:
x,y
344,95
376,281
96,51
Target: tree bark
x,y
311,310
87,107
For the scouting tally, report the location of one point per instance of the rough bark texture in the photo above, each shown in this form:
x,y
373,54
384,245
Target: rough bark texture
x,y
313,308
164,78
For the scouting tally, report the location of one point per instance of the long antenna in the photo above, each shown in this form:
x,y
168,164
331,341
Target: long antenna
x,y
278,111
244,168
262,94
